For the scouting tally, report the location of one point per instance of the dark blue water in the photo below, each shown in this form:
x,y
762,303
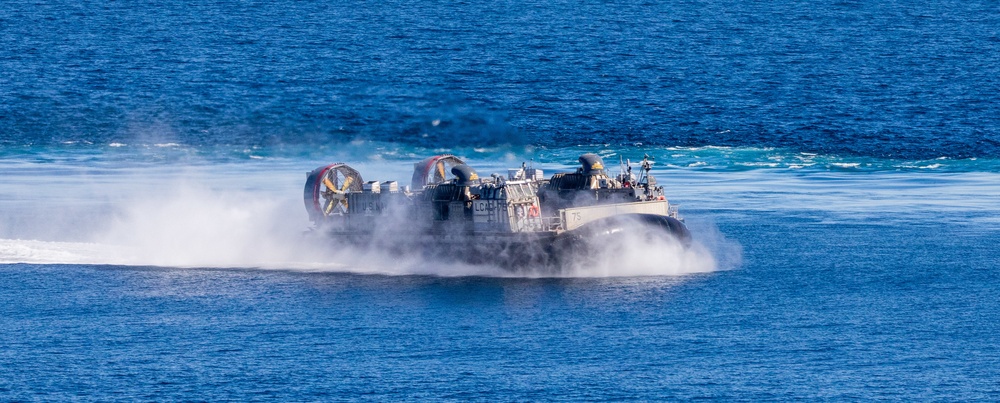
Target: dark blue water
x,y
838,164
882,78
912,315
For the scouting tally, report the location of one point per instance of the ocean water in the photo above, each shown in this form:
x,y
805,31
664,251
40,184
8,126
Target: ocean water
x,y
837,164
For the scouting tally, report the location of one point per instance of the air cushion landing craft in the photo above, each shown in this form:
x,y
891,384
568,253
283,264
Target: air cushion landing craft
x,y
514,220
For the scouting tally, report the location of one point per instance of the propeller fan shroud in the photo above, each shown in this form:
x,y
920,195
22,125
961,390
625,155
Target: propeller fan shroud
x,y
326,188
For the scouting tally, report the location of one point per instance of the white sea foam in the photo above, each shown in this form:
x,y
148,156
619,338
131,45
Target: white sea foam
x,y
214,222
44,252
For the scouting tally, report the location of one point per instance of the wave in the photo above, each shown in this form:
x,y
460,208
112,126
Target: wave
x,y
705,158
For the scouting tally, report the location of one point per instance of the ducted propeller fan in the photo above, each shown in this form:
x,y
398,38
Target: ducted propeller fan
x,y
326,190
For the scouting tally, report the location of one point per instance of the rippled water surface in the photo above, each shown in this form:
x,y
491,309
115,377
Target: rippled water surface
x,y
873,78
836,162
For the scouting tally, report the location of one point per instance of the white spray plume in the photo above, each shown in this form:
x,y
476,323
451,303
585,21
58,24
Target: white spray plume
x,y
187,223
193,226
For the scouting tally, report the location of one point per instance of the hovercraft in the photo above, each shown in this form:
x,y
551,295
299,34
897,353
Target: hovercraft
x,y
512,220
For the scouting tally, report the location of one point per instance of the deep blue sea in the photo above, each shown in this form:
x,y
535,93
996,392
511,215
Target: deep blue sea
x,y
838,164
